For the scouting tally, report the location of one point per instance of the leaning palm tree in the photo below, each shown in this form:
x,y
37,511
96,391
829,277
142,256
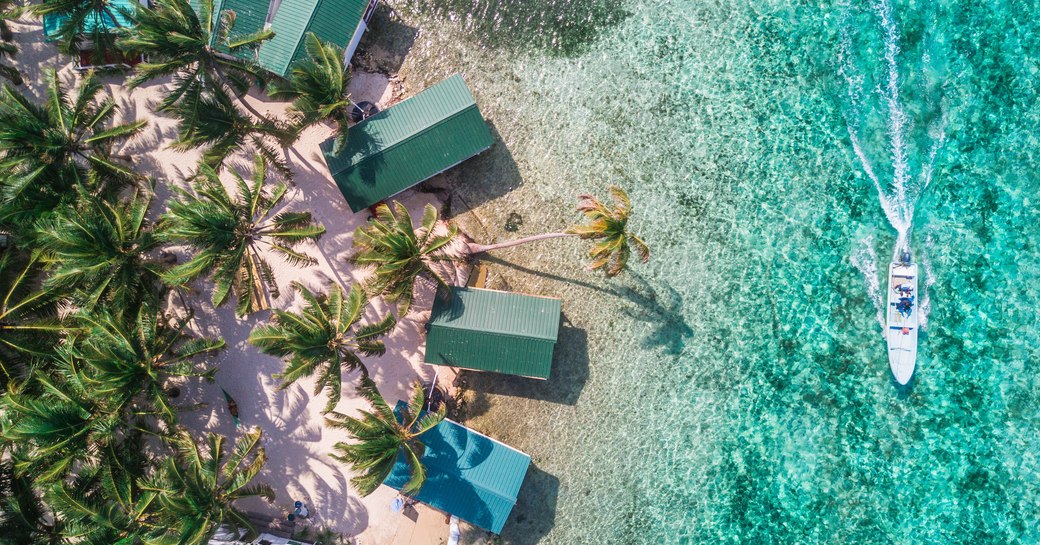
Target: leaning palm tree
x,y
198,48
317,86
99,252
230,235
401,253
197,488
48,150
380,436
29,327
324,338
124,357
607,226
216,125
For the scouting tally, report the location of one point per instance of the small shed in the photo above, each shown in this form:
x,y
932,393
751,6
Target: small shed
x,y
468,474
114,17
340,22
490,330
407,143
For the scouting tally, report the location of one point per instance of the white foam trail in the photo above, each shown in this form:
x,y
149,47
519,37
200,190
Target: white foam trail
x,y
865,260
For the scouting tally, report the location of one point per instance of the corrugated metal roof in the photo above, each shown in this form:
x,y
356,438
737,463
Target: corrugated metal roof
x,y
250,16
469,475
52,22
492,330
408,143
333,21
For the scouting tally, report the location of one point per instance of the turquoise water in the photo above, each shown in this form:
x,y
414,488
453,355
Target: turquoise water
x,y
736,389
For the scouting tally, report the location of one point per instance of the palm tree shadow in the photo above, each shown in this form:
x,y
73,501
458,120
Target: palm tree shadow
x,y
660,306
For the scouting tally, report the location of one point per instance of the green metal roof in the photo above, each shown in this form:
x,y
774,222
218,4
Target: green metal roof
x,y
490,330
333,21
250,16
408,143
468,474
52,22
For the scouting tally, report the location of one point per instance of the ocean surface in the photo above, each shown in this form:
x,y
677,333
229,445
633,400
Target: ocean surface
x,y
736,389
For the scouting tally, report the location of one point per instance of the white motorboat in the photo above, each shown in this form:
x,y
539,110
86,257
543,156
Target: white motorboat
x,y
902,313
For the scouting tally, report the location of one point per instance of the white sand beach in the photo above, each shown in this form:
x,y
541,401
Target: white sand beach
x,y
296,442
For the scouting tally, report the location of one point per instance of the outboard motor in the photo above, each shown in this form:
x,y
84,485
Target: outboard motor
x,y
904,258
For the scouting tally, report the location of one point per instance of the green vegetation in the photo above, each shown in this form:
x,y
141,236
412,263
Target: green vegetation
x,y
230,234
607,226
401,254
323,338
317,87
379,436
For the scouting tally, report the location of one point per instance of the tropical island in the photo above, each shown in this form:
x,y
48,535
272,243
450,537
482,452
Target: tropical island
x,y
229,315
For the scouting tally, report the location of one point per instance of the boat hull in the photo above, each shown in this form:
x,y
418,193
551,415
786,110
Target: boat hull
x,y
901,328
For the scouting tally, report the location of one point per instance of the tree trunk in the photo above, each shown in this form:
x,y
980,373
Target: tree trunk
x,y
238,97
475,248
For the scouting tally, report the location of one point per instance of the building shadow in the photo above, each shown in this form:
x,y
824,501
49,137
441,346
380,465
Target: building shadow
x,y
487,176
535,512
387,42
570,373
565,28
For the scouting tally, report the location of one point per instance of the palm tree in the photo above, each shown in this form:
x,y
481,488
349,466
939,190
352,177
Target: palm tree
x,y
318,88
104,503
608,226
380,437
28,324
198,487
96,20
48,150
56,423
230,234
124,357
402,253
99,252
23,516
197,48
214,123
324,337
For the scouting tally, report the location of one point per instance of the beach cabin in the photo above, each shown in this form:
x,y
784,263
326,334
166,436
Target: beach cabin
x,y
490,330
408,143
468,474
113,19
340,22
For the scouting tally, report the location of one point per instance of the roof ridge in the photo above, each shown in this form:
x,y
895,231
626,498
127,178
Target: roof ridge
x,y
412,136
303,38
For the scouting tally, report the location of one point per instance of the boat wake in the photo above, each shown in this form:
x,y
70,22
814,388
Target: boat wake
x,y
866,118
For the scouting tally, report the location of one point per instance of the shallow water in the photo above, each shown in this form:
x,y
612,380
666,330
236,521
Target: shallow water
x,y
736,389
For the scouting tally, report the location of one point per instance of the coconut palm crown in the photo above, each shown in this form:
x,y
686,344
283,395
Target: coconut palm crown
x,y
380,435
198,48
198,487
121,357
609,228
400,253
66,142
29,326
98,252
317,87
324,338
231,234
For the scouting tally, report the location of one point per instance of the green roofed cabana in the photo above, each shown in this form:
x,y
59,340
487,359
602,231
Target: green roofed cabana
x,y
341,22
489,330
408,143
468,474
